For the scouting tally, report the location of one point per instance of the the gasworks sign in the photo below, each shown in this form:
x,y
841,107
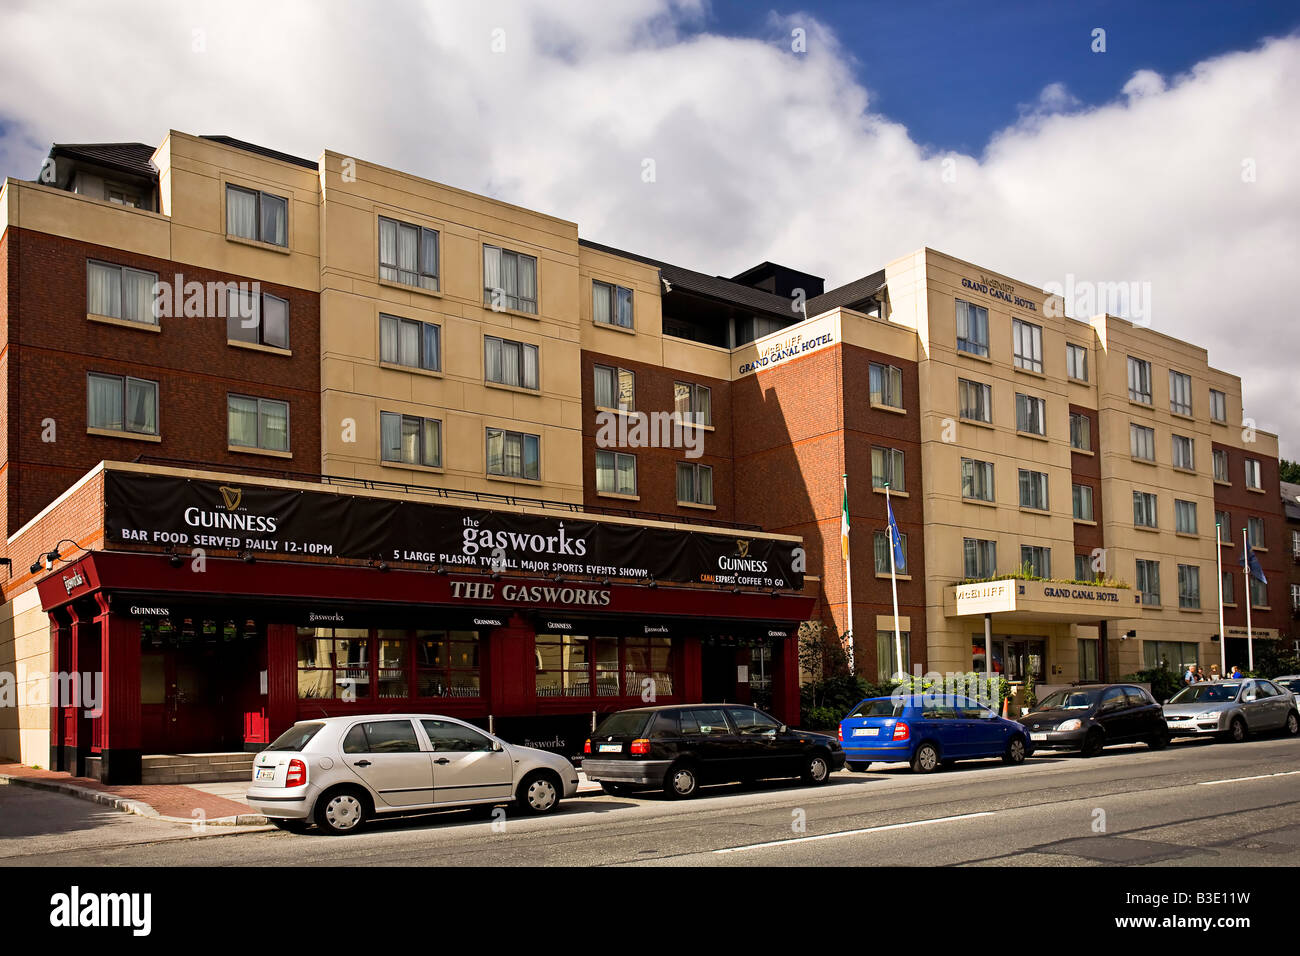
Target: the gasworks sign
x,y
162,511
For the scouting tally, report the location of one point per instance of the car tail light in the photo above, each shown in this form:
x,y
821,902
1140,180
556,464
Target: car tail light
x,y
901,731
586,748
297,775
839,733
640,746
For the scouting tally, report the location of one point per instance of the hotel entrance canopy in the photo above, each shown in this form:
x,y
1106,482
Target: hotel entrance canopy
x,y
1019,600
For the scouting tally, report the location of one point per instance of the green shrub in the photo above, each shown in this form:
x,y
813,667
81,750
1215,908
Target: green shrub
x,y
1164,682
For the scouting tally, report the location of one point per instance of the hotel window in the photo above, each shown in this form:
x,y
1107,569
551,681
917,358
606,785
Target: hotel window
x,y
979,557
121,403
1228,578
1218,406
1142,442
1036,561
255,215
1088,668
693,404
1220,457
1252,474
611,304
1180,393
880,541
694,484
886,651
257,319
1170,655
615,388
972,328
509,280
1295,543
977,479
1076,362
1185,516
975,400
513,454
1033,490
1080,432
887,468
1224,520
411,440
1144,510
1295,597
1083,568
410,343
1031,414
447,664
1083,502
1189,585
615,473
1258,593
120,292
507,362
333,663
1028,339
1183,453
408,254
1255,532
886,385
1139,380
257,423
1148,581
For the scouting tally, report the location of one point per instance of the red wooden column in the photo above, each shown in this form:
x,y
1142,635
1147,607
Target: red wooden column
x,y
281,678
512,669
119,691
60,655
82,658
691,686
785,681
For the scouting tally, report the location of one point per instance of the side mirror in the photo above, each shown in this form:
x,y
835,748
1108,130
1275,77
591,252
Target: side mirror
x,y
496,747
782,729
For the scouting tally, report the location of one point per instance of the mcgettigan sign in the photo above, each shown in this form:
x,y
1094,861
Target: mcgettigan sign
x,y
164,511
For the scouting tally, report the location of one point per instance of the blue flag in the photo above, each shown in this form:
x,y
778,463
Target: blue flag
x,y
1256,571
900,562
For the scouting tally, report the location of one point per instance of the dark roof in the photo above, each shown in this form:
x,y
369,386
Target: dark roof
x,y
1291,500
263,151
130,158
848,295
714,287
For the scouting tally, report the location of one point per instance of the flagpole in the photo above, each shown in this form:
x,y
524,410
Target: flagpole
x,y
1218,562
848,573
1250,634
893,587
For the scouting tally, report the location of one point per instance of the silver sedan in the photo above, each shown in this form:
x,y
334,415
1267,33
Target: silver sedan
x,y
339,772
1233,709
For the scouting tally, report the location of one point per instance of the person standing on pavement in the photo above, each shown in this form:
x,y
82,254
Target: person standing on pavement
x,y
1236,672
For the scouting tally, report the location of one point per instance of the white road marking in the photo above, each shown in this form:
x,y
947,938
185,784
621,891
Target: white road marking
x,y
1262,776
844,833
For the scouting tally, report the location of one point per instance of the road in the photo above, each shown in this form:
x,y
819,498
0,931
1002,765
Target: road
x,y
1196,803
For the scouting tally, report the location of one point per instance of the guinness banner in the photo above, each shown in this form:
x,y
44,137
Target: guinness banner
x,y
163,511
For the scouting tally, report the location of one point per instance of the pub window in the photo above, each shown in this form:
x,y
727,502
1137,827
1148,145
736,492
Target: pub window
x,y
975,400
392,676
410,343
887,468
648,659
121,403
694,484
410,440
447,664
615,388
513,454
972,328
564,665
881,547
615,473
886,385
1028,340
257,423
333,663
1139,380
257,319
252,214
693,404
408,254
509,280
611,304
119,292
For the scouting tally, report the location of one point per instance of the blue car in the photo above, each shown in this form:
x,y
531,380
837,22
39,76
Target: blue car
x,y
928,731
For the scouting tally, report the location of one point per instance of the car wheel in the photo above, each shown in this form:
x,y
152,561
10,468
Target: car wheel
x,y
614,789
816,770
342,811
858,766
1292,726
1237,730
290,826
681,781
539,793
926,758
1093,743
1015,750
1159,741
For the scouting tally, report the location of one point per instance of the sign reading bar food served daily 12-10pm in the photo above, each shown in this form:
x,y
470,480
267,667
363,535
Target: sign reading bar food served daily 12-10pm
x,y
163,511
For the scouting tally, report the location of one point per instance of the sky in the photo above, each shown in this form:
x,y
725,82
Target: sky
x,y
1161,152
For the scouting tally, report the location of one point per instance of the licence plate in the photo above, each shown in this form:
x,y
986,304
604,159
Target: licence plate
x,y
1038,736
265,773
866,731
611,748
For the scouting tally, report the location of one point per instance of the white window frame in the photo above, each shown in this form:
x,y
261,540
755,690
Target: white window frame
x,y
1027,340
615,458
422,340
261,423
1139,380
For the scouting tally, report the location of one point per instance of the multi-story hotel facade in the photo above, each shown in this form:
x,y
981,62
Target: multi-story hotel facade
x,y
269,501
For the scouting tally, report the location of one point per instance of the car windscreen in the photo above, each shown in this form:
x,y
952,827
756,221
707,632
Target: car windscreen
x,y
1292,684
1210,693
296,738
887,707
629,723
1074,698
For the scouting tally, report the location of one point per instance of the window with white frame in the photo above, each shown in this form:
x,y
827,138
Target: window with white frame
x,y
1076,362
1139,380
1028,342
975,400
1180,393
257,319
261,423
611,304
513,454
1142,442
1218,406
1295,597
410,439
615,473
887,468
1189,585
979,557
880,544
1220,457
507,362
693,404
972,328
615,388
121,403
120,292
1036,560
1183,456
509,280
1080,432
1295,543
1144,510
886,385
1083,502
408,254
253,214
1185,516
410,343
1148,581
1033,489
694,484
1252,474
977,479
1031,414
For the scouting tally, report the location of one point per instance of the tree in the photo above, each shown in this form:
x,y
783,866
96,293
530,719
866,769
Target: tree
x,y
1289,471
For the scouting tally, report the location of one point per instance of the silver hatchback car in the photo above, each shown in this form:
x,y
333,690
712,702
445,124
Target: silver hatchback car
x,y
339,772
1232,709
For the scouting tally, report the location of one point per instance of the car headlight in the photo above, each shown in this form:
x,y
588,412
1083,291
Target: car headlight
x,y
1209,715
1072,724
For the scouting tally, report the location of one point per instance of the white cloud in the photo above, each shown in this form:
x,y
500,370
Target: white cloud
x,y
760,152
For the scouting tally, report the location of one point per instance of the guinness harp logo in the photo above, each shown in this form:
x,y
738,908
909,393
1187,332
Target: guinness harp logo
x,y
742,547
232,497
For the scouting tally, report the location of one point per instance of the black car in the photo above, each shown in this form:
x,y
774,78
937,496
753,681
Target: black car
x,y
679,747
1088,717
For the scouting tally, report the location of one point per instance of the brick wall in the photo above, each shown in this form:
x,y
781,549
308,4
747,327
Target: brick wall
x,y
1241,504
1086,470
